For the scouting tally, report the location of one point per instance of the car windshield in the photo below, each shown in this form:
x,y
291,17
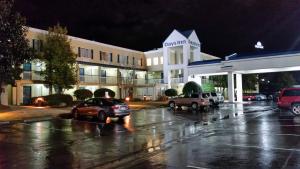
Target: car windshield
x,y
204,95
214,94
117,101
291,93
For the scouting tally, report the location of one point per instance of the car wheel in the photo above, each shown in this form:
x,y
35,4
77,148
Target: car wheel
x,y
194,106
172,105
102,116
76,114
296,109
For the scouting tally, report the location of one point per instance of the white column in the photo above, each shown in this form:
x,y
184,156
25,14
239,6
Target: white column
x,y
186,56
166,69
230,81
239,87
4,95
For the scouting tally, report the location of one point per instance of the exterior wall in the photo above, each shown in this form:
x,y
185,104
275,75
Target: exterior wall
x,y
126,71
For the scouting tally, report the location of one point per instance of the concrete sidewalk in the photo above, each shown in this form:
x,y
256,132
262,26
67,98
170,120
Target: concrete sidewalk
x,y
30,113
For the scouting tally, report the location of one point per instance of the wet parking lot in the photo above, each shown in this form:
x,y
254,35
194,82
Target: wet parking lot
x,y
253,135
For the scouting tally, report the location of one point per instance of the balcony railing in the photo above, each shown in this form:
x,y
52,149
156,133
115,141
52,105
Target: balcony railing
x,y
177,80
120,80
32,75
35,75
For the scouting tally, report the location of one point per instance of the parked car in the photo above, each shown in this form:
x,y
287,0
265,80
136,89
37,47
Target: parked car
x,y
248,96
289,98
101,108
260,97
214,98
195,101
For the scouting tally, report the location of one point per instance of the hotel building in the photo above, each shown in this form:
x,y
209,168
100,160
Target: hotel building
x,y
125,71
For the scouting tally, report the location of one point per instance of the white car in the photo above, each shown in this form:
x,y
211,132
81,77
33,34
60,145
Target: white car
x,y
220,97
214,98
260,97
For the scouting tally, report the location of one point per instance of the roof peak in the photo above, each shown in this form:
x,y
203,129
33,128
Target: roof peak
x,y
187,33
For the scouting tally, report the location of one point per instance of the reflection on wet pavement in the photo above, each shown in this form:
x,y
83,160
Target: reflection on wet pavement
x,y
232,135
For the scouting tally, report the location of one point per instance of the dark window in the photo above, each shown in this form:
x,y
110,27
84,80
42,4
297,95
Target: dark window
x,y
37,44
118,58
204,95
291,93
100,53
81,71
111,57
27,67
133,61
214,94
92,53
107,102
141,62
79,53
91,102
127,60
116,101
195,96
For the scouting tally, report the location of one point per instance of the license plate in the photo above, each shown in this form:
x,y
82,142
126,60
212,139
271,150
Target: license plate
x,y
123,108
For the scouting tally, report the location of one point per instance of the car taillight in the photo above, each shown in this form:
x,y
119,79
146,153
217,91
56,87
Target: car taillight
x,y
115,107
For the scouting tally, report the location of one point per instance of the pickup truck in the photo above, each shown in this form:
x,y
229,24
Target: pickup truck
x,y
195,101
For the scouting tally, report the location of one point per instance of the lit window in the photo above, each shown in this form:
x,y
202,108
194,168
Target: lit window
x,y
155,61
161,60
149,62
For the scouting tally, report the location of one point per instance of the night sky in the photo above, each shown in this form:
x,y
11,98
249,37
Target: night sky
x,y
223,27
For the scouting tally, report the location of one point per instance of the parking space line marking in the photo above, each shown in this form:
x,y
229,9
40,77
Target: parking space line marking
x,y
191,166
287,160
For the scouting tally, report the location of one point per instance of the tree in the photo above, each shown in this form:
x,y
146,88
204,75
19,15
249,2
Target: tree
x,y
14,47
59,59
282,80
249,82
171,92
190,88
82,94
219,81
101,92
208,87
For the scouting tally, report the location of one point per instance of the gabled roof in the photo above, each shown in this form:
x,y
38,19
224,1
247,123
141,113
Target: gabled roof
x,y
186,33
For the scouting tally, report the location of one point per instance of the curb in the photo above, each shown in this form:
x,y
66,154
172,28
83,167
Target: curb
x,y
4,122
26,120
38,119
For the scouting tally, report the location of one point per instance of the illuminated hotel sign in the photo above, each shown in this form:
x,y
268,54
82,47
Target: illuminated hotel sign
x,y
180,42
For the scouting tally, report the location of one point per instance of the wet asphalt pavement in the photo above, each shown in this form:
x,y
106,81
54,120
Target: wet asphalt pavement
x,y
231,136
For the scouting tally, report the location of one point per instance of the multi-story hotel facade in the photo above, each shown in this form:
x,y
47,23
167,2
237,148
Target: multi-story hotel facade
x,y
125,71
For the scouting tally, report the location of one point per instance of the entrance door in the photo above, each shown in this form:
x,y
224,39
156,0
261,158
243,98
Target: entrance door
x,y
26,95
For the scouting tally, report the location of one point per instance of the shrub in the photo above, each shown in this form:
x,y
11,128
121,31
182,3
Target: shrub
x,y
101,92
162,98
59,100
82,94
190,88
171,92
